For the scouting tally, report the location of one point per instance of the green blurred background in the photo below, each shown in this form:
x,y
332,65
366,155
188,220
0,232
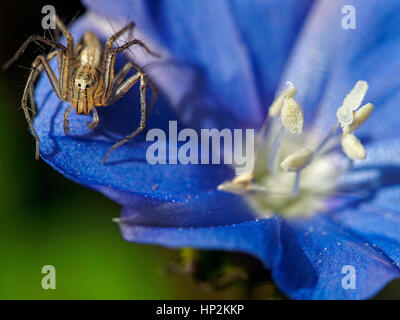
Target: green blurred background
x,y
47,219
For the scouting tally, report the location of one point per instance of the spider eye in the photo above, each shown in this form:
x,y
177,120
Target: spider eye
x,y
79,85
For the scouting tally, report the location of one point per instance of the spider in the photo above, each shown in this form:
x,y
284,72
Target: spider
x,y
86,78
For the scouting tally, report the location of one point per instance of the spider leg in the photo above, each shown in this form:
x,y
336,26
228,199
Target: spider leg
x,y
118,94
31,39
66,33
66,58
110,55
64,66
95,121
37,64
109,59
110,41
137,42
32,102
66,118
38,71
154,95
108,46
122,74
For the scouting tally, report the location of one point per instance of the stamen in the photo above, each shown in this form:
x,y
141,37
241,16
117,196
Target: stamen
x,y
292,117
278,188
296,185
297,160
245,178
241,184
274,149
360,116
277,105
289,91
352,147
351,102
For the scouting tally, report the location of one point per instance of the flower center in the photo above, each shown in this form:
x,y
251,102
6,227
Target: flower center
x,y
290,178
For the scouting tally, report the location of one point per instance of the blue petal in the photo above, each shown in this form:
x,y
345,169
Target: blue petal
x,y
203,209
260,238
329,247
375,180
328,60
367,222
306,256
236,51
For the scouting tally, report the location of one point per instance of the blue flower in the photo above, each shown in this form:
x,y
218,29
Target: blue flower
x,y
222,62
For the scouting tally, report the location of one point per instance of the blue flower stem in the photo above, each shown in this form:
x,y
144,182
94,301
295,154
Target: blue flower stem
x,y
275,149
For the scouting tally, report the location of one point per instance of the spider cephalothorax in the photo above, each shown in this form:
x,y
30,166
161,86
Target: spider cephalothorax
x,y
86,77
87,89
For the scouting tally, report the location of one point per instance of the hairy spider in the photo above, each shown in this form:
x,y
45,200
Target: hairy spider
x,y
86,78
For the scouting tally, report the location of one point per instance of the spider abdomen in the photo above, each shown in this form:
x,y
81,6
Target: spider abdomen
x,y
91,52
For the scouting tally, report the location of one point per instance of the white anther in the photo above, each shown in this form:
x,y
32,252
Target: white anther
x,y
352,147
277,105
290,92
292,116
360,116
297,160
288,85
351,102
242,184
345,116
245,178
239,182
